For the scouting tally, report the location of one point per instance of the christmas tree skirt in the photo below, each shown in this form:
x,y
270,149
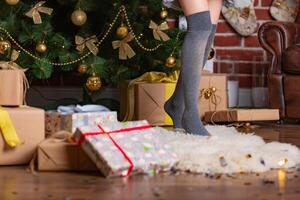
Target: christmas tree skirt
x,y
228,151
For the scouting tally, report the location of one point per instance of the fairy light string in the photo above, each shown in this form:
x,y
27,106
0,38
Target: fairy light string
x,y
122,9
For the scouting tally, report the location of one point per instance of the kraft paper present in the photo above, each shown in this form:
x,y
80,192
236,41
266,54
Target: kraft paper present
x,y
28,123
63,156
150,99
11,88
218,100
56,121
242,115
121,149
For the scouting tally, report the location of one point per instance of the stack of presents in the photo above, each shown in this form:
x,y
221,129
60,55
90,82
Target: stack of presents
x,y
96,140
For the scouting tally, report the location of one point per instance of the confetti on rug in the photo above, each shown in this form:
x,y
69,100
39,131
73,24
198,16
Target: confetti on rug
x,y
228,151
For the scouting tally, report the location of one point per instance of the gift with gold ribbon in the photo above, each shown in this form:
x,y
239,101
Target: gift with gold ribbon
x,y
125,51
158,33
89,42
213,93
152,89
21,129
13,82
35,11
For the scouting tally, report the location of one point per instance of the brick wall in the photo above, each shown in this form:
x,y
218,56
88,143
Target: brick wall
x,y
242,53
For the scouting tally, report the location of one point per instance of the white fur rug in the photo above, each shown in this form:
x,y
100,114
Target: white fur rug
x,y
228,151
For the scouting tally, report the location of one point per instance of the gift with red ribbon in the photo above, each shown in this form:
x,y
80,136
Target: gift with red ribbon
x,y
123,148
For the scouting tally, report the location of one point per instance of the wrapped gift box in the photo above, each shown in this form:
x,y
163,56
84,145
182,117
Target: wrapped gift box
x,y
149,98
11,87
29,125
118,148
63,156
56,121
213,93
242,115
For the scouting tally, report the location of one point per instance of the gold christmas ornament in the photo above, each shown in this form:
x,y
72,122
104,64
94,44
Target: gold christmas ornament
x,y
158,33
89,42
208,94
34,12
163,13
122,31
78,17
4,46
213,89
12,2
93,83
82,68
41,47
125,50
170,61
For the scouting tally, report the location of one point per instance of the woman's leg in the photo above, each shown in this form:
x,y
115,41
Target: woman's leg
x,y
193,53
215,10
175,105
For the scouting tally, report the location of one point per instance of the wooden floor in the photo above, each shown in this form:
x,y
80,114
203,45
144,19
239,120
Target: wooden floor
x,y
16,183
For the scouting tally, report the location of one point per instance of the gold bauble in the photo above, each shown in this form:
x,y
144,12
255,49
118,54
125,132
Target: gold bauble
x,y
4,46
41,47
213,89
93,83
122,31
82,68
78,17
163,14
171,61
207,94
12,2
248,125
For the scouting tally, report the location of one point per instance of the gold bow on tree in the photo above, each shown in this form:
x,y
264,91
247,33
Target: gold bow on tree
x,y
158,30
34,12
125,51
89,42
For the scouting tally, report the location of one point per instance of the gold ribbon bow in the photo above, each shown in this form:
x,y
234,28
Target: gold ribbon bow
x,y
210,95
149,77
34,12
125,51
158,30
11,65
89,42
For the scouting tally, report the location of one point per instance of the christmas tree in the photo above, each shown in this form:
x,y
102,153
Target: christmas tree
x,y
112,40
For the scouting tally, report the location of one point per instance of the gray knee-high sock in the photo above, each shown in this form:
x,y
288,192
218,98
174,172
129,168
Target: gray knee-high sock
x,y
175,105
199,28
